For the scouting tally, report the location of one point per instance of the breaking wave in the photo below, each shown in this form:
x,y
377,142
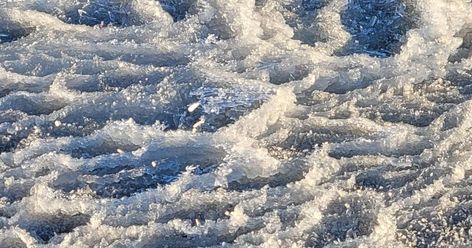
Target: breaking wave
x,y
246,123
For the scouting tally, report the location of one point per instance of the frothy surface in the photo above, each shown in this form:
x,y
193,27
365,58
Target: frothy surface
x,y
221,123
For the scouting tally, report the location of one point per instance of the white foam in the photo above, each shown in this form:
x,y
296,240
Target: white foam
x,y
218,123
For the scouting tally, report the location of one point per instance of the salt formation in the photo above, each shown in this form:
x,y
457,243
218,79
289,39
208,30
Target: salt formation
x,y
245,123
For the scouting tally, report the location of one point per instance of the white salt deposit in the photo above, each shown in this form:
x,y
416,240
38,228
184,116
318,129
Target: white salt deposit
x,y
245,123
